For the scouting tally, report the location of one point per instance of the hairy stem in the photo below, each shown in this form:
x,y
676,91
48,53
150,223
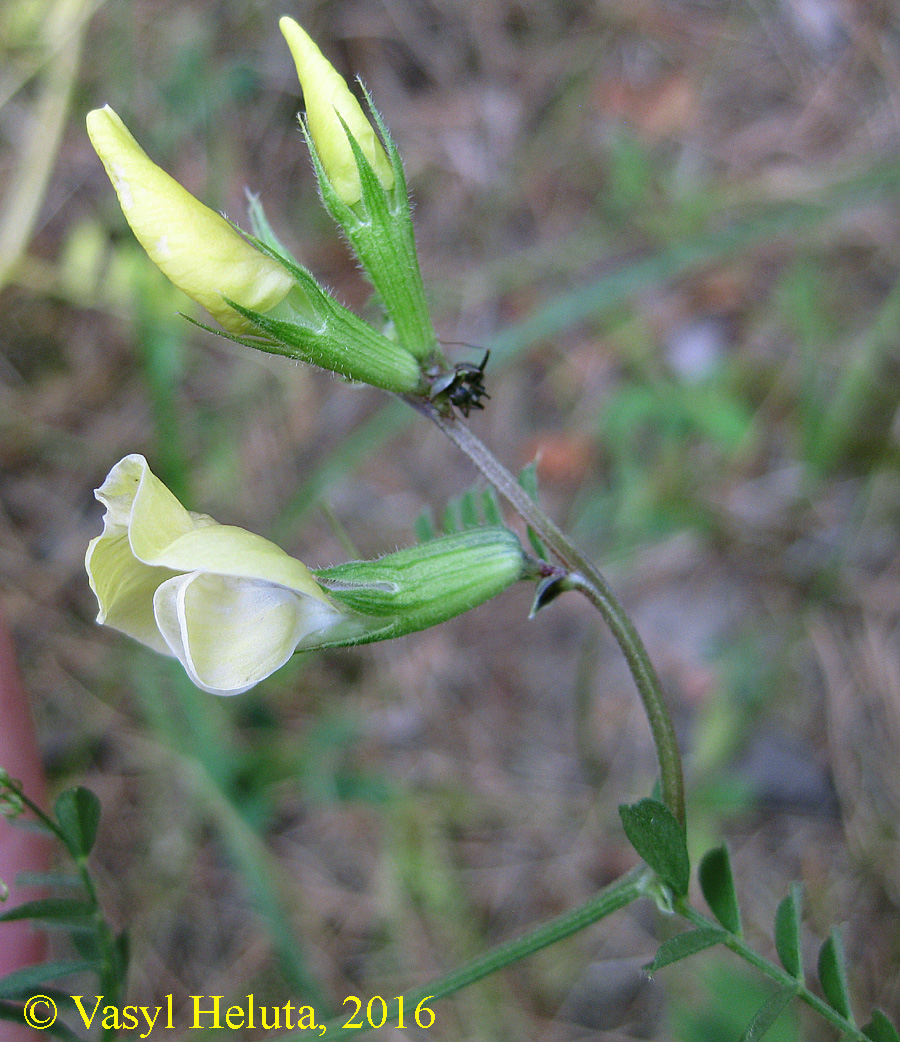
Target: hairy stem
x,y
585,577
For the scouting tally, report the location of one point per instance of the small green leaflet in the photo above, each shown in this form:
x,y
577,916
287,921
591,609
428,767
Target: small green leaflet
x,y
22,983
880,1029
78,814
717,884
833,975
658,837
59,910
787,932
767,1014
683,945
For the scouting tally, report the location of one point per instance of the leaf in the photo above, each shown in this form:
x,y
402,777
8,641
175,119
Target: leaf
x,y
767,1014
717,884
61,880
122,954
62,911
683,945
22,983
78,813
787,932
833,975
88,946
880,1029
58,1030
659,838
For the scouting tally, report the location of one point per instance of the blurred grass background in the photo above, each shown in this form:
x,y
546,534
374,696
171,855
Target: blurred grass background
x,y
676,223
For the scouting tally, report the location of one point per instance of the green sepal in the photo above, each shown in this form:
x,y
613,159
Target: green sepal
x,y
342,343
424,585
309,325
262,229
380,230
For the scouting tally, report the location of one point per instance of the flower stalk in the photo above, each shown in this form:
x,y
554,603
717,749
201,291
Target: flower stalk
x,y
585,577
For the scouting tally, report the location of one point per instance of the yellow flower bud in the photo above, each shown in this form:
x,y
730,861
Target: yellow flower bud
x,y
192,244
328,100
230,605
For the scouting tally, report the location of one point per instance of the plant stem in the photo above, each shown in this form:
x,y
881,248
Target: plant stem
x,y
618,894
585,577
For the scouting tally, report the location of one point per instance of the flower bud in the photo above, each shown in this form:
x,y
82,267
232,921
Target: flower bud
x,y
192,244
427,584
328,101
230,605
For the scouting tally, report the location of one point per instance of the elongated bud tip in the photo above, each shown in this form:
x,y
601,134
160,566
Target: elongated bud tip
x,y
192,244
328,101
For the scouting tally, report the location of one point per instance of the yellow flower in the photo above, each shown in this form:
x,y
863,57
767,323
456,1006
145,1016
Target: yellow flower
x,y
328,100
230,605
193,245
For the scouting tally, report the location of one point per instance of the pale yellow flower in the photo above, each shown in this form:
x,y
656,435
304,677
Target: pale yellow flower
x,y
192,244
230,605
328,100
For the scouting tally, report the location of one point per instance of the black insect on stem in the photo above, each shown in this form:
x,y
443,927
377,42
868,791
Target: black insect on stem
x,y
463,387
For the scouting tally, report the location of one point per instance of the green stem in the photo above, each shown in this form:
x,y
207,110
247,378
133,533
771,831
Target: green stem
x,y
584,577
617,895
775,973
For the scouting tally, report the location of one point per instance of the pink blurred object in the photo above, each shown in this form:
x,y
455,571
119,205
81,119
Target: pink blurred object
x,y
20,850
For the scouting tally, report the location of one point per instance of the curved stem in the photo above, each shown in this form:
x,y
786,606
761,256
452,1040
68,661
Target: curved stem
x,y
584,576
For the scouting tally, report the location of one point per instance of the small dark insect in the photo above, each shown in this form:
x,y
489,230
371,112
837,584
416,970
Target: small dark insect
x,y
463,386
